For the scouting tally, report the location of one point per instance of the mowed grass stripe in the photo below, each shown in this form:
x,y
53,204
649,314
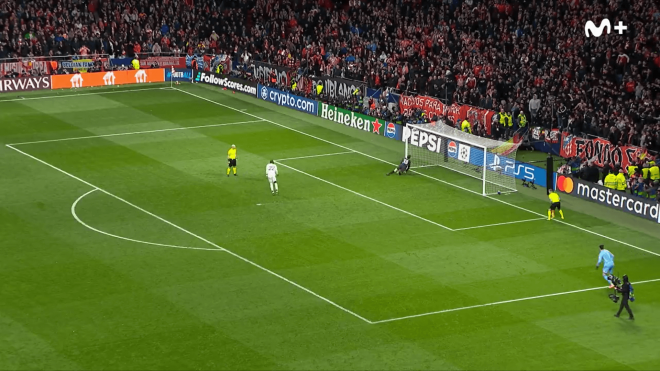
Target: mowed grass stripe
x,y
148,166
260,313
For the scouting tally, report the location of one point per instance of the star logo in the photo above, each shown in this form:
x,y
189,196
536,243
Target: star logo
x,y
377,126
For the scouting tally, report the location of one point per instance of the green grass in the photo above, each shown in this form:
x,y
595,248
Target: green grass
x,y
74,298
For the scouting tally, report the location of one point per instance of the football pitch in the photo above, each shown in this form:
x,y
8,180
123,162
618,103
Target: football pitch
x,y
127,246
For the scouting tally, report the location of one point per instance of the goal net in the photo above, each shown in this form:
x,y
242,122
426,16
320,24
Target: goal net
x,y
490,161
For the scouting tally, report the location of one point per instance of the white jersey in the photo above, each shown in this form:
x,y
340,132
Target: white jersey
x,y
271,172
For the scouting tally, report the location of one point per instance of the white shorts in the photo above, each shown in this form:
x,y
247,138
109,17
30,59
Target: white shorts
x,y
272,179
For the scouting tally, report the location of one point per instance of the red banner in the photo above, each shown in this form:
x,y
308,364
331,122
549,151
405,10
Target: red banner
x,y
430,106
598,149
163,62
434,107
23,67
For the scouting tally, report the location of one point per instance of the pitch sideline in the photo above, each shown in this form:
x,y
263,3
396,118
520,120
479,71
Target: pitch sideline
x,y
83,94
133,133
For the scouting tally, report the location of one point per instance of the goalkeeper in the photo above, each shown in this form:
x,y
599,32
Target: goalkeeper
x,y
403,167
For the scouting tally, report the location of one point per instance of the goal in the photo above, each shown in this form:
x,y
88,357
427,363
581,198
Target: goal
x,y
490,161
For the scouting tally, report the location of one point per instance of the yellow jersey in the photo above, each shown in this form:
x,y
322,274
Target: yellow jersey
x,y
655,172
645,172
465,126
621,182
231,154
610,181
554,197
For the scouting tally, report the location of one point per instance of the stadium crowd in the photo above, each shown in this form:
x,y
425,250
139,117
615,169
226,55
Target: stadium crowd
x,y
511,56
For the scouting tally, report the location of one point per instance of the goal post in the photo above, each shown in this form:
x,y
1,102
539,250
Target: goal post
x,y
492,162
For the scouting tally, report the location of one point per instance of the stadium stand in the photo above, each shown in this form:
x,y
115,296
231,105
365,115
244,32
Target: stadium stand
x,y
493,54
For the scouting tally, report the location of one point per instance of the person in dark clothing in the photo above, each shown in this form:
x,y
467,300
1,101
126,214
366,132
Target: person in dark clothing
x,y
590,173
624,290
607,168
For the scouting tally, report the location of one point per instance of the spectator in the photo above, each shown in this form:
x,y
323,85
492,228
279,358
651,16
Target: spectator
x,y
478,52
156,49
534,106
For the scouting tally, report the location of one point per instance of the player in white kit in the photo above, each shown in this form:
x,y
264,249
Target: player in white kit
x,y
271,173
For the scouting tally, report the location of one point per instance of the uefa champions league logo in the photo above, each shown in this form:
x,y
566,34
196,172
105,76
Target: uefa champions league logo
x,y
465,152
264,93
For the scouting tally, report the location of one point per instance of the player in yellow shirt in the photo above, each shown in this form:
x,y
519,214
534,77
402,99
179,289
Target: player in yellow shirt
x,y
556,204
231,159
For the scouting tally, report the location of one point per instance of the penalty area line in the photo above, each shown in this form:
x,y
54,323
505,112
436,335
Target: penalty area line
x,y
502,302
114,196
496,224
75,216
313,156
577,227
367,197
413,171
246,260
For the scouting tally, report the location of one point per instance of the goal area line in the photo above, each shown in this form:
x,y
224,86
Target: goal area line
x,y
279,162
490,161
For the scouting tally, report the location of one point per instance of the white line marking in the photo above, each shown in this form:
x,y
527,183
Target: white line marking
x,y
112,195
492,225
367,197
321,139
416,172
580,228
502,302
506,193
75,215
312,156
335,144
78,95
197,236
135,132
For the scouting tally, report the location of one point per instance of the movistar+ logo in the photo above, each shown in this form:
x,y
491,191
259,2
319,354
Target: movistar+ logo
x,y
604,24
